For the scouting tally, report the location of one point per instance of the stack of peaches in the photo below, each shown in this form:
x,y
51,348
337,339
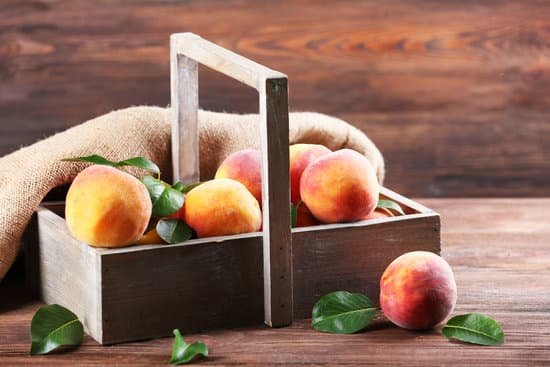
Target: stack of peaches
x,y
106,207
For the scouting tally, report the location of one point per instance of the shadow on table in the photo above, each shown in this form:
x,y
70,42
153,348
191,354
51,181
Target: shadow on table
x,y
13,292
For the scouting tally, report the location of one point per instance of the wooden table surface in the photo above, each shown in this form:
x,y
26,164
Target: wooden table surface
x,y
498,248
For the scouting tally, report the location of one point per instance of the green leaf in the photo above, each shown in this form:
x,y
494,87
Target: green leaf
x,y
166,200
391,205
474,328
184,353
94,158
293,215
178,186
140,162
173,230
342,313
189,187
53,326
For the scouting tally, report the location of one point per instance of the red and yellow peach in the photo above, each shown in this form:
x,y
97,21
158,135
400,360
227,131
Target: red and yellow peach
x,y
340,187
418,290
301,156
244,166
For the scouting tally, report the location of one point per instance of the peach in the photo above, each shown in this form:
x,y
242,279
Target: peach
x,y
418,290
222,207
149,238
340,187
106,207
301,156
244,166
304,217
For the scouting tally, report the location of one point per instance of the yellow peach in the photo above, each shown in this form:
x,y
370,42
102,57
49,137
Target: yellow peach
x,y
106,207
222,207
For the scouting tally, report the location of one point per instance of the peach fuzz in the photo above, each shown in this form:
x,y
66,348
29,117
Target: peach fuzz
x,y
301,156
245,167
106,207
222,207
418,290
340,187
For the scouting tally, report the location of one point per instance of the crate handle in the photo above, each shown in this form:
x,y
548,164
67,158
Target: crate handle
x,y
187,50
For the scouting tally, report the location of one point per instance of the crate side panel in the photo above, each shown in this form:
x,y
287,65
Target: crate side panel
x,y
214,285
354,258
68,271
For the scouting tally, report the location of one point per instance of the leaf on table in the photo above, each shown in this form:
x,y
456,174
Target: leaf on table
x,y
474,328
342,312
166,200
390,205
184,353
53,326
173,230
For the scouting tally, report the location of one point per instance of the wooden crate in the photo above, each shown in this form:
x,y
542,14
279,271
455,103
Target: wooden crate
x,y
275,275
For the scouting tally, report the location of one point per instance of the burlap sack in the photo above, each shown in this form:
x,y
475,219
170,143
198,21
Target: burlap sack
x,y
28,174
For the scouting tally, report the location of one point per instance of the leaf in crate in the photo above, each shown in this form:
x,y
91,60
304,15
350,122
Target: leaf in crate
x,y
293,215
94,158
190,187
166,200
178,186
140,162
184,353
474,328
173,230
390,205
342,312
53,326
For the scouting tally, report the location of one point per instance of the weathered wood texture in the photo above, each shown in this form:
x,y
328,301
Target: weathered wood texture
x,y
187,50
455,91
498,249
142,292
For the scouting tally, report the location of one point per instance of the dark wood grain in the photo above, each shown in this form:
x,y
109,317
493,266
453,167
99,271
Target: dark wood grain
x,y
456,92
498,249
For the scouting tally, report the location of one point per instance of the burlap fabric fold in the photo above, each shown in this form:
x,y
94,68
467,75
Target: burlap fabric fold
x,y
28,174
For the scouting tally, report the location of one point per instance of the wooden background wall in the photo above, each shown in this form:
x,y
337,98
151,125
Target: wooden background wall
x,y
455,93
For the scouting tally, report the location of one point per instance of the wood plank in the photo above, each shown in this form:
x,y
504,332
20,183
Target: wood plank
x,y
68,271
277,243
184,89
440,86
496,247
353,258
